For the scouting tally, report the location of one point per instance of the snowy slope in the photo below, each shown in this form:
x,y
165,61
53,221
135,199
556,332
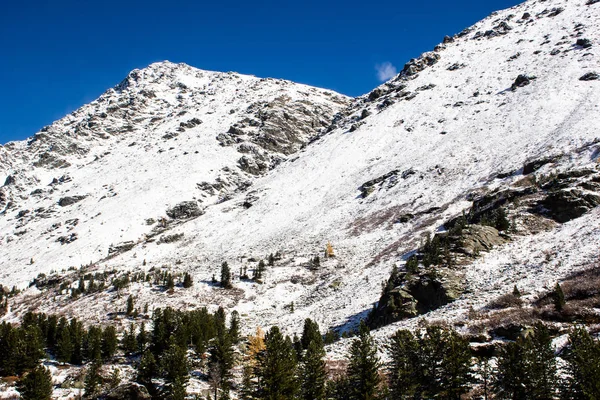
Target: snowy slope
x,y
450,129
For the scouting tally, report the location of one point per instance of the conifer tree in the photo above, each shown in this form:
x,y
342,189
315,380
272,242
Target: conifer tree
x,y
221,358
313,374
147,369
583,366
187,281
142,338
225,276
277,368
36,385
559,298
92,348
129,341
64,345
130,305
541,364
516,291
511,378
234,327
174,366
109,342
363,368
93,380
404,367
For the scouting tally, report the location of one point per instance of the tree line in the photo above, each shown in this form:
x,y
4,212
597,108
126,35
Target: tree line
x,y
433,362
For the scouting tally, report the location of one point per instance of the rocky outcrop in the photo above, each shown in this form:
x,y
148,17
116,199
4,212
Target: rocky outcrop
x,y
185,210
566,205
69,200
478,238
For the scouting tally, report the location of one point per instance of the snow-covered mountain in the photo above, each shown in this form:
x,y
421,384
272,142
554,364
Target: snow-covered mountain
x,y
183,169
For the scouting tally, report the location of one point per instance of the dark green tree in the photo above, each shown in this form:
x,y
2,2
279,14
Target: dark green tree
x,y
312,371
109,342
187,281
582,358
363,367
174,366
129,341
404,368
234,327
542,370
130,305
512,377
277,368
147,370
36,385
559,298
225,276
93,380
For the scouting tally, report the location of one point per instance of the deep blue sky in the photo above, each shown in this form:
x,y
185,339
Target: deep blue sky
x,y
58,55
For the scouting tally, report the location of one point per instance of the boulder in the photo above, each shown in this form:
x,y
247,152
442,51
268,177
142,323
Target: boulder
x,y
68,200
590,76
185,210
128,391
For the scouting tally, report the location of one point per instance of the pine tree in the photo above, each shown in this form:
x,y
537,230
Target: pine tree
x,y
31,348
221,358
175,368
36,385
313,374
129,342
310,333
93,380
147,369
225,276
456,374
516,291
109,342
64,345
404,366
259,271
277,368
559,298
542,364
234,327
92,349
271,260
363,368
511,378
187,281
130,305
170,282
583,366
142,338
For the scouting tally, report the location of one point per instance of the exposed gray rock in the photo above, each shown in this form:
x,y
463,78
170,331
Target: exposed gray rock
x,y
69,200
185,210
584,43
121,247
521,81
590,76
478,238
565,205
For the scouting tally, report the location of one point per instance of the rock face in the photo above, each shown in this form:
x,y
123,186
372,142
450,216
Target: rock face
x,y
185,210
477,238
566,205
408,295
67,201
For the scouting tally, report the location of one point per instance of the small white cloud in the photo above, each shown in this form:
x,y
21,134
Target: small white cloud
x,y
385,71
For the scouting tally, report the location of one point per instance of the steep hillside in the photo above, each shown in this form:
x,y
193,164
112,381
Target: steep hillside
x,y
507,105
166,134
